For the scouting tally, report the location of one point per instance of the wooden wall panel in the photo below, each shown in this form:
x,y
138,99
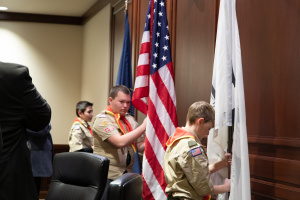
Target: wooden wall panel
x,y
264,190
270,43
118,23
272,169
195,38
269,34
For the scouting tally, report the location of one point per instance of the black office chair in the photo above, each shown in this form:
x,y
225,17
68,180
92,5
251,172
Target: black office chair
x,y
1,141
78,176
127,187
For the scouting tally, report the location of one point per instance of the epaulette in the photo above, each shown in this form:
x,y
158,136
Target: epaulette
x,y
101,116
192,143
76,127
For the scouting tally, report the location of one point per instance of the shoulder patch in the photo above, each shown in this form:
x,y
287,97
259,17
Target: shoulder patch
x,y
195,152
101,116
109,129
76,127
104,123
192,143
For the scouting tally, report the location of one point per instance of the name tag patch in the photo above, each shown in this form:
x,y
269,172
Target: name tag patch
x,y
195,152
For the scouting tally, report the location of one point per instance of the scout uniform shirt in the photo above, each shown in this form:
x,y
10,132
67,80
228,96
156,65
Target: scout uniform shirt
x,y
186,166
105,126
80,135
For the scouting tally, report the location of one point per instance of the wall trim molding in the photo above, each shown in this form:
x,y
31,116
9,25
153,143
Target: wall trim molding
x,y
53,19
289,142
56,19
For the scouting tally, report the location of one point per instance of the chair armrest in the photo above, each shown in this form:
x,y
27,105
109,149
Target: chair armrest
x,y
127,187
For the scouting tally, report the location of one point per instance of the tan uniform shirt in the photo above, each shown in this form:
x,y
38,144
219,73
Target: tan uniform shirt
x,y
105,126
80,136
186,169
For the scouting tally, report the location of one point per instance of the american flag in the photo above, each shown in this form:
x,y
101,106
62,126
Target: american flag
x,y
195,152
154,95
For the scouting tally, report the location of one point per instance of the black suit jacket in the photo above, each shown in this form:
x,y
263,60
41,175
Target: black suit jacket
x,y
21,107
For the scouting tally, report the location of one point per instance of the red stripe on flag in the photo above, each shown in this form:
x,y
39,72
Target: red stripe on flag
x,y
161,134
165,97
155,166
142,70
136,99
170,67
147,194
145,47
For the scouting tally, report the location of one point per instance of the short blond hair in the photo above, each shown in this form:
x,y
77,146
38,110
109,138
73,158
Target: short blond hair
x,y
200,109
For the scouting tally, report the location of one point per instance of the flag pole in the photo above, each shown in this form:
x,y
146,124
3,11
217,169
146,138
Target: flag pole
x,y
126,10
230,134
230,139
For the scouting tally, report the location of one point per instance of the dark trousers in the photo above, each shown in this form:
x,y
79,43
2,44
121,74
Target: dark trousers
x,y
37,181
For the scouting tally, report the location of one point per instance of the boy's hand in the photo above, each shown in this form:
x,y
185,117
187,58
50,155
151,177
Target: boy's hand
x,y
228,159
227,184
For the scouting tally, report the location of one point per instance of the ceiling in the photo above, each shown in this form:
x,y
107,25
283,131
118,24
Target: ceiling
x,y
74,8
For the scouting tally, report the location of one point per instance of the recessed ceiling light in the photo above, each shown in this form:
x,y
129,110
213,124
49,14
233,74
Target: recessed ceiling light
x,y
3,8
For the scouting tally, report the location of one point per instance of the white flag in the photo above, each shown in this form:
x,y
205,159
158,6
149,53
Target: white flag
x,y
229,102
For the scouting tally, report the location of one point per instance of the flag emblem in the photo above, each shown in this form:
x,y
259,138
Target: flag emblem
x,y
196,152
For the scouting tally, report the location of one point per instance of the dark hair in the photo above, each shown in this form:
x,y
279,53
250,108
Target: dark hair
x,y
82,105
114,91
200,109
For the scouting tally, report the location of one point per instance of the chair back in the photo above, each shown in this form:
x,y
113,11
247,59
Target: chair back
x,y
127,187
78,176
1,141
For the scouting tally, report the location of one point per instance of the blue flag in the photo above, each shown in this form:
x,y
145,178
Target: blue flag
x,y
124,73
125,78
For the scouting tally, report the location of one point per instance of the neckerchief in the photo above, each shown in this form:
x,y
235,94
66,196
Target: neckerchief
x,y
78,120
179,134
118,117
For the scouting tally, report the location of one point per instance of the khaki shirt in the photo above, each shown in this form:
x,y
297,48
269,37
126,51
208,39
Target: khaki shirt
x,y
105,126
186,169
80,136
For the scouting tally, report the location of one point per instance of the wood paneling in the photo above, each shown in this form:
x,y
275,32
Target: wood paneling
x,y
195,39
118,24
264,190
279,170
270,43
269,35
